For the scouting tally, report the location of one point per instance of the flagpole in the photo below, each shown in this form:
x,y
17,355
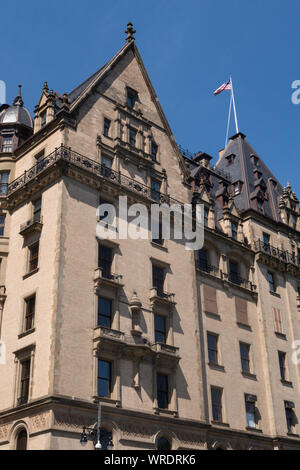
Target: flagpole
x,y
234,108
228,122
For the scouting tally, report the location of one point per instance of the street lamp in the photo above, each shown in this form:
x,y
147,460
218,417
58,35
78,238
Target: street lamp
x,y
96,434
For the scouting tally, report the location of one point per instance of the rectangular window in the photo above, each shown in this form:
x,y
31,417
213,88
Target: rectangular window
x,y
158,279
29,313
245,357
278,324
160,240
132,97
234,273
162,391
43,119
2,225
37,210
282,364
291,418
40,161
33,257
160,329
106,127
236,189
250,413
234,230
260,206
212,344
105,258
104,378
4,175
7,144
155,190
206,214
132,136
271,281
203,260
154,149
104,312
216,403
24,382
266,240
107,163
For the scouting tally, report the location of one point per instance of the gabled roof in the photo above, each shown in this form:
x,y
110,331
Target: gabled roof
x,y
76,96
244,168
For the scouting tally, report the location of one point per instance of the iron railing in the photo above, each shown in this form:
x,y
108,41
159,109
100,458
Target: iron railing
x,y
277,253
208,268
68,155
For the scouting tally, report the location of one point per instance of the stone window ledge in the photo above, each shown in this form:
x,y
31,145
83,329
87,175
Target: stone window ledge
x,y
219,423
248,375
26,333
218,367
248,428
31,273
287,383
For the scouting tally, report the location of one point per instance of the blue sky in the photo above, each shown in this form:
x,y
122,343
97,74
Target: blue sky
x,y
189,48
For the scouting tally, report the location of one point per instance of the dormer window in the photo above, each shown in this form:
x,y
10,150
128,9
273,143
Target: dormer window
x,y
230,159
260,206
7,144
43,119
255,160
294,220
132,97
154,149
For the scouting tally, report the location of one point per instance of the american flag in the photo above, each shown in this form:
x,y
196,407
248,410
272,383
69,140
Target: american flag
x,y
225,86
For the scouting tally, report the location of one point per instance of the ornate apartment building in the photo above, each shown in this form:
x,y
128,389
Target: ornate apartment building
x,y
185,349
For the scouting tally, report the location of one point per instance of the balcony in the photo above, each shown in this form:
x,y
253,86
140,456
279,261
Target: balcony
x,y
165,349
207,268
35,224
232,277
105,277
159,296
277,258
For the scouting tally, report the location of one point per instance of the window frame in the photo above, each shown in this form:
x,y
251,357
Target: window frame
x,y
106,127
214,351
217,406
2,224
109,379
110,316
32,259
271,282
246,360
158,331
160,392
29,314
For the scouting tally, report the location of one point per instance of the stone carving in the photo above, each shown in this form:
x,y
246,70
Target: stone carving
x,y
191,439
41,421
136,430
69,420
4,430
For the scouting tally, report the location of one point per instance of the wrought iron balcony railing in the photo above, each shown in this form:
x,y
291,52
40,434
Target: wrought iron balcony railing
x,y
35,223
277,253
207,268
68,155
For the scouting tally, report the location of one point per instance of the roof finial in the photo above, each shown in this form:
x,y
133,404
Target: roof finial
x,y
130,32
18,101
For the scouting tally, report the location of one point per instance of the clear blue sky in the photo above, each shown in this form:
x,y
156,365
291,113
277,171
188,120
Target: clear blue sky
x,y
189,48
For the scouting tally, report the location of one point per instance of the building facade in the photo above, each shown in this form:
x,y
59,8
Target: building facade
x,y
185,349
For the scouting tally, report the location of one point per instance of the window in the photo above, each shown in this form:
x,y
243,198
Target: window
x,y
282,364
43,119
2,225
154,149
278,324
104,312
132,97
234,273
106,162
4,182
132,136
106,127
250,411
7,143
212,345
234,230
158,279
230,159
271,281
162,391
104,378
206,214
21,441
203,260
37,210
163,444
216,403
290,416
105,257
294,220
155,190
29,313
33,257
236,189
160,329
40,161
245,357
24,382
260,206
266,240
160,240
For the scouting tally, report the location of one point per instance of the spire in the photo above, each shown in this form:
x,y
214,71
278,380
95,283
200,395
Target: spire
x,y
130,32
18,101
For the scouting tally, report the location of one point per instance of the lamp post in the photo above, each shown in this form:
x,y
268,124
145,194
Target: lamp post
x,y
96,434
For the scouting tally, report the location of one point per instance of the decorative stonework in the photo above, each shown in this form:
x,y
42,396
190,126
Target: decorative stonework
x,y
4,431
77,421
40,421
137,430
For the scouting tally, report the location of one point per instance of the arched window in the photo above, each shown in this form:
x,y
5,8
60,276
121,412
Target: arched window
x,y
163,444
21,443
